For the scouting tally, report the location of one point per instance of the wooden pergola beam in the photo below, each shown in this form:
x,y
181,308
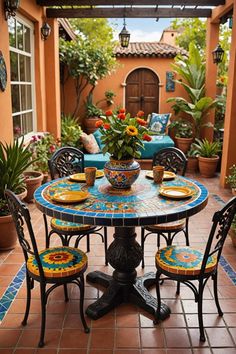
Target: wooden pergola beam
x,y
128,13
130,2
221,11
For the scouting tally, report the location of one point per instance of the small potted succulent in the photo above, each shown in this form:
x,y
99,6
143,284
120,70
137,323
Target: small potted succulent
x,y
207,153
231,179
183,130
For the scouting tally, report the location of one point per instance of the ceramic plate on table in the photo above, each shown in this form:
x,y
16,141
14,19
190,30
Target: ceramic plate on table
x,y
70,197
175,192
80,177
167,175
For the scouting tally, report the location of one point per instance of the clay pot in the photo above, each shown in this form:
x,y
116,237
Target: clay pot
x,y
234,191
192,165
207,165
33,180
89,124
183,143
23,194
8,234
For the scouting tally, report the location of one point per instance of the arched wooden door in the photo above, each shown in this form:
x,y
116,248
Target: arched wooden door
x,y
142,92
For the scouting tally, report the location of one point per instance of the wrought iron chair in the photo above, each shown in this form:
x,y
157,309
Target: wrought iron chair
x,y
64,162
52,266
186,264
175,161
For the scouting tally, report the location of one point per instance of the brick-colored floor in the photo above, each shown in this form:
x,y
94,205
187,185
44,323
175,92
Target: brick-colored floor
x,y
125,330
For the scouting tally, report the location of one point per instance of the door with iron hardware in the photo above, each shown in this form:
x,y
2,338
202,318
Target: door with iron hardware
x,y
142,92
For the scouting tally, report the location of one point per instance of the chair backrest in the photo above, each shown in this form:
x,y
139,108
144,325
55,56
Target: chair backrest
x,y
222,220
66,161
21,216
172,159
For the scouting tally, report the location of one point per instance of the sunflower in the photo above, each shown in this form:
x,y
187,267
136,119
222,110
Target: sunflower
x,y
131,130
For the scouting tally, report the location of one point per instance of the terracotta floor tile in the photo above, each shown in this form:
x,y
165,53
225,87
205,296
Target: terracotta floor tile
x,y
5,280
219,337
176,338
174,320
233,333
230,319
6,351
153,351
202,351
146,320
25,351
195,340
126,308
107,321
225,351
30,338
179,351
72,351
209,320
127,320
102,338
127,338
9,337
152,338
101,351
9,269
46,351
72,320
74,338
12,321
18,306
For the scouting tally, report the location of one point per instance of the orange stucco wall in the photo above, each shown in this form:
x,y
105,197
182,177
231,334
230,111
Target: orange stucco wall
x,y
116,82
42,61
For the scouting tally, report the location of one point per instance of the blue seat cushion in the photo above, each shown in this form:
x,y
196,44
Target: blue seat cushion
x,y
96,160
157,143
158,122
97,134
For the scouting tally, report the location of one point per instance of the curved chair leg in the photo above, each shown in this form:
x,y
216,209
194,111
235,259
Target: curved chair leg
x,y
214,277
178,288
142,245
88,242
200,317
47,238
105,245
81,303
158,310
43,314
66,293
186,232
28,301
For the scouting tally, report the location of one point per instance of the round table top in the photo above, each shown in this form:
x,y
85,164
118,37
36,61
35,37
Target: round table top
x,y
139,206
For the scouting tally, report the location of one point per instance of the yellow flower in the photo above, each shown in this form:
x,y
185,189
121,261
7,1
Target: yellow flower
x,y
131,130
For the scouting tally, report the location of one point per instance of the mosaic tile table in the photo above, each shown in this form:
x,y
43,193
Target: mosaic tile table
x,y
123,209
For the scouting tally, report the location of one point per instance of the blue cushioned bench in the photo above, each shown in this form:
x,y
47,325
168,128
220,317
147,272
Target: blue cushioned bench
x,y
157,143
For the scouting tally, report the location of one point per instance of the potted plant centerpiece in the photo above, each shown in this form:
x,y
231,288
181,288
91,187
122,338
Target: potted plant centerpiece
x,y
183,130
122,137
207,156
14,160
231,179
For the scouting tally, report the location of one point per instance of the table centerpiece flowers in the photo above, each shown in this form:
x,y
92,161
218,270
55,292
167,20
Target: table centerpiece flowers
x,y
122,137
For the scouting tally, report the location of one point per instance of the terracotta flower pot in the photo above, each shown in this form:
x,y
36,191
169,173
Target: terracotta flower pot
x,y
208,165
90,124
234,191
22,194
8,235
192,165
33,180
183,143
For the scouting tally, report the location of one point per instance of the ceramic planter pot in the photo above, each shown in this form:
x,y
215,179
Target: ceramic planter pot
x,y
90,124
121,173
33,180
207,165
8,234
192,165
183,143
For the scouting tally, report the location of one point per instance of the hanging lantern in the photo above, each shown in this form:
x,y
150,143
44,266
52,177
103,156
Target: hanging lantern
x,y
124,37
218,54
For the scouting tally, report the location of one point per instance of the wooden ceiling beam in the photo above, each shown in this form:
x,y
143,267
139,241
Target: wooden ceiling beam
x,y
127,12
130,2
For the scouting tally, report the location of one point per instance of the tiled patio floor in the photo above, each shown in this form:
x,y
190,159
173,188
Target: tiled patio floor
x,y
126,330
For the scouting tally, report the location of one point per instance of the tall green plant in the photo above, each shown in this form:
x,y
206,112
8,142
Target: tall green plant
x,y
191,69
70,131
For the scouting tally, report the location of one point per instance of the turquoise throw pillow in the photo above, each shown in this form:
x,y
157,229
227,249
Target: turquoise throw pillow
x,y
158,122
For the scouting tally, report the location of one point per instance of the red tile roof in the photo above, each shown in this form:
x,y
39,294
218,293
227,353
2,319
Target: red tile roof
x,y
149,49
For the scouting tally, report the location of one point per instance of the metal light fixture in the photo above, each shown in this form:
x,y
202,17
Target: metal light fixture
x,y
218,54
231,22
45,31
124,37
10,7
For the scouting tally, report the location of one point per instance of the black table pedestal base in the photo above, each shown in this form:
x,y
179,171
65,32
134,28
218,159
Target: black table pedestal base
x,y
117,293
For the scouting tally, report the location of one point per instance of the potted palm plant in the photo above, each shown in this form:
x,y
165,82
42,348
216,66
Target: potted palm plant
x,y
183,130
208,157
14,160
231,179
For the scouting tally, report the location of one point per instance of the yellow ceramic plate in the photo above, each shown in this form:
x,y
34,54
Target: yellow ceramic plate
x,y
167,175
80,177
70,196
176,192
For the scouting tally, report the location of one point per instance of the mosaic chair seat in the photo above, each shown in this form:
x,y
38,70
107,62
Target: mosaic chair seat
x,y
51,267
174,160
193,267
64,162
